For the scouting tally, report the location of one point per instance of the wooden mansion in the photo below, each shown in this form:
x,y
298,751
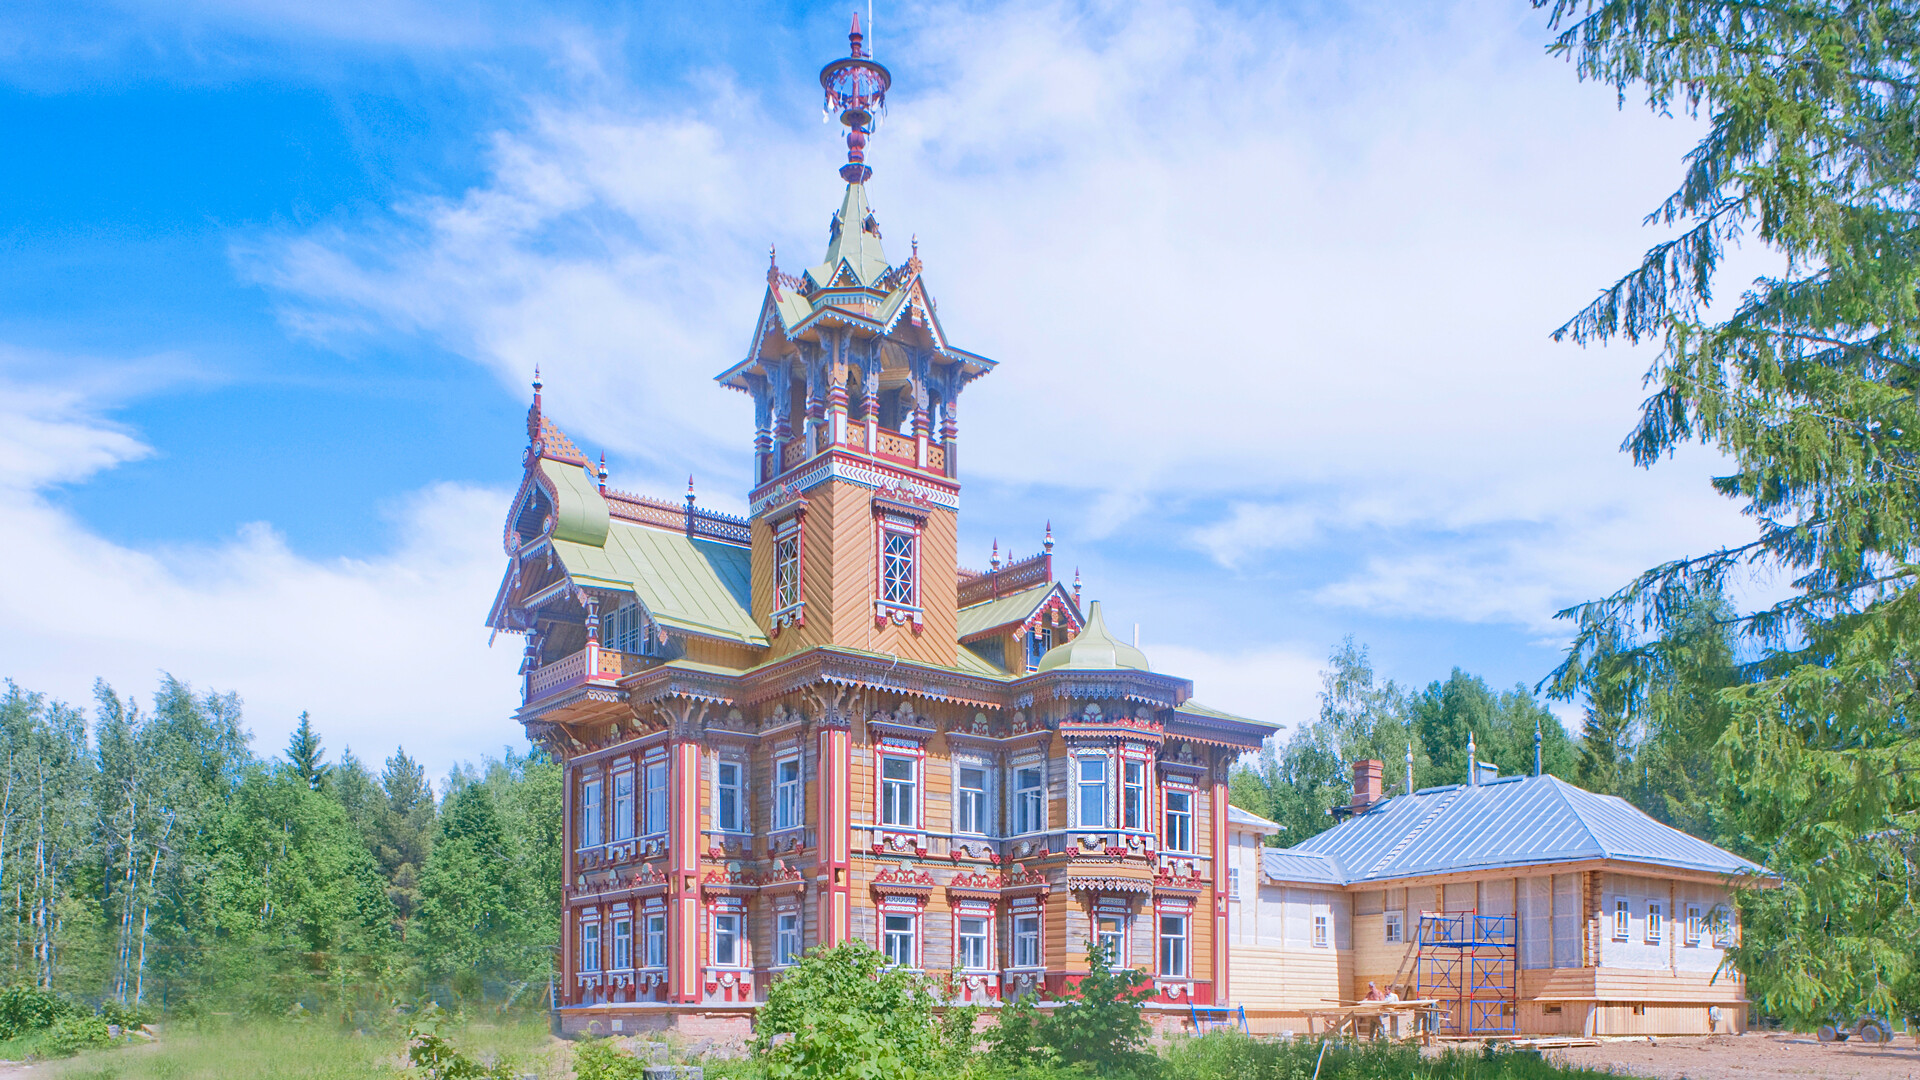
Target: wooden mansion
x,y
808,725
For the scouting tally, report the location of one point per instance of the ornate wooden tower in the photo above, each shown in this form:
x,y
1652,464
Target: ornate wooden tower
x,y
811,725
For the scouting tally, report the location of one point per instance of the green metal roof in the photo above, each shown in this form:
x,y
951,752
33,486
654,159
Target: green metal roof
x,y
1094,650
686,583
1012,608
853,243
579,512
1194,708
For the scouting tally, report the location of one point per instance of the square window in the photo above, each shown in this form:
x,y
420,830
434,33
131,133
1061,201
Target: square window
x,y
899,786
788,795
656,941
623,805
726,941
786,949
1029,799
970,802
1179,821
1173,945
974,935
729,806
1093,792
899,940
1396,928
590,817
1233,883
1026,941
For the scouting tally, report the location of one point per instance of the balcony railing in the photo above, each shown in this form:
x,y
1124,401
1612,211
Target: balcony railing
x,y
571,670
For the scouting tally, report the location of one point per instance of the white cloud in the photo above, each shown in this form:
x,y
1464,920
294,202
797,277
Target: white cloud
x,y
1307,270
1272,684
383,652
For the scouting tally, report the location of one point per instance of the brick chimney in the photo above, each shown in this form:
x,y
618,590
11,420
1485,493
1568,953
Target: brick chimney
x,y
1366,784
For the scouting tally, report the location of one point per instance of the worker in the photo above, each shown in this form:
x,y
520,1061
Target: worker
x,y
1374,994
1393,1018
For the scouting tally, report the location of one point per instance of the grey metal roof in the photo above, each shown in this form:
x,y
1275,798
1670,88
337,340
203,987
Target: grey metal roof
x,y
1298,867
1514,821
1237,816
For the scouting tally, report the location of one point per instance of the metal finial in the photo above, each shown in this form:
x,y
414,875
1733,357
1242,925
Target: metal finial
x,y
856,88
603,472
1047,544
995,561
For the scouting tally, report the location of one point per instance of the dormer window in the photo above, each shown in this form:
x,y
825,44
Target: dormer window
x,y
1039,640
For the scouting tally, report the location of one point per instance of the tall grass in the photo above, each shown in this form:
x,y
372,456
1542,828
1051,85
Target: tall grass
x,y
1225,1056
270,1050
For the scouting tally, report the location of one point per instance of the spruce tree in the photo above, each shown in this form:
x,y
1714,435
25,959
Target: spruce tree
x,y
1809,387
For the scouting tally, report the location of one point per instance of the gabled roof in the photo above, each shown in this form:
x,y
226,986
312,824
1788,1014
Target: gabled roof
x,y
1511,822
1296,867
1252,822
1008,610
686,583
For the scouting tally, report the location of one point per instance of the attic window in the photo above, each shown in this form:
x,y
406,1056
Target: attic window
x,y
1039,640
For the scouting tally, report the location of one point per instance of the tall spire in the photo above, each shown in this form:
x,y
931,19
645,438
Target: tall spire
x,y
856,87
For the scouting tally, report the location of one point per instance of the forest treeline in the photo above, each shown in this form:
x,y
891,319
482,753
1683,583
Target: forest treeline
x,y
148,856
1648,736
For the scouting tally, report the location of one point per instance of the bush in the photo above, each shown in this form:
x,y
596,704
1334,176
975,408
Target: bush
x,y
1102,1025
846,1013
71,1034
25,1010
600,1059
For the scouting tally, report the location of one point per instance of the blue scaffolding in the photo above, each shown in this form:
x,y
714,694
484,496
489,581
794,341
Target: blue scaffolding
x,y
1470,963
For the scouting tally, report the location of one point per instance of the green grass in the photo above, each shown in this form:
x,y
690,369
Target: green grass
x,y
211,1050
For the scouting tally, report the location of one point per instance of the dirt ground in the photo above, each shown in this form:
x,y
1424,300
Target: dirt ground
x,y
1750,1057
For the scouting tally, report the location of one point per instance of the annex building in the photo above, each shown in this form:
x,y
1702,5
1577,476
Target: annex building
x,y
810,725
1524,904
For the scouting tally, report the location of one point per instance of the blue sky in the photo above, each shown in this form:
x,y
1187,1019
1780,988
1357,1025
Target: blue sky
x,y
1270,286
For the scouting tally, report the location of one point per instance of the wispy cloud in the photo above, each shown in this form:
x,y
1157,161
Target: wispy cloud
x,y
383,651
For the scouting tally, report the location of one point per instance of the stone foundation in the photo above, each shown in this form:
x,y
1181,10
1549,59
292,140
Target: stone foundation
x,y
724,1031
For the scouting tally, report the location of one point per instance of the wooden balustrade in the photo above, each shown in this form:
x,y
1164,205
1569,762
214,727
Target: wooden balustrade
x,y
571,670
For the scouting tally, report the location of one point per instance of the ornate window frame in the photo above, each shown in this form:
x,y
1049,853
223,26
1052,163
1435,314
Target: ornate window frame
x,y
896,520
788,534
590,814
789,796
902,907
1016,795
743,806
984,765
